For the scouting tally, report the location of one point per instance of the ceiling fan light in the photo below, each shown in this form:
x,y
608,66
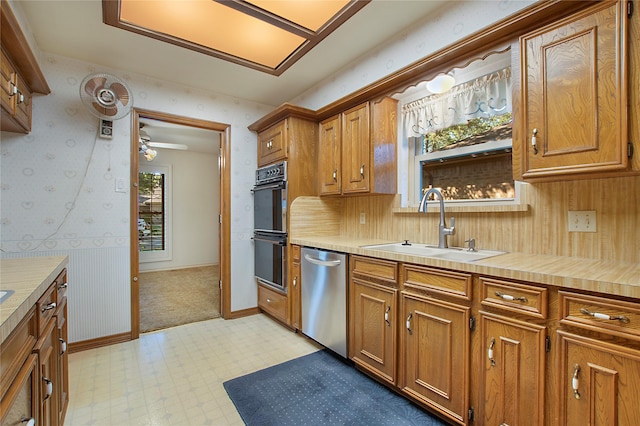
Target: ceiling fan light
x,y
441,84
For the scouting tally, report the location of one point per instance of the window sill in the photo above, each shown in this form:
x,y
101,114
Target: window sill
x,y
470,207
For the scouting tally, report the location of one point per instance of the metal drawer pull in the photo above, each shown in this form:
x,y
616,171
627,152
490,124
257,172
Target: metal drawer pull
x,y
598,315
490,352
362,170
335,175
409,323
50,306
269,300
63,346
509,297
295,280
63,285
575,382
386,316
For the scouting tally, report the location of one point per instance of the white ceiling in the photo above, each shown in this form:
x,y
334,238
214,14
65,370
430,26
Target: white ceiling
x,y
74,28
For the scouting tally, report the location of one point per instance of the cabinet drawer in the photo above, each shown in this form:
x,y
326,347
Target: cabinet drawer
x,y
46,307
61,286
520,298
383,270
273,303
601,314
449,283
20,402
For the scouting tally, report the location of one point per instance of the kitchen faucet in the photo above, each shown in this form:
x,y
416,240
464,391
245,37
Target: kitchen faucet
x,y
443,231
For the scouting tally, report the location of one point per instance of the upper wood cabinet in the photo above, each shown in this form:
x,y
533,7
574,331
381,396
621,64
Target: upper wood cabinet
x,y
272,144
357,150
573,96
20,75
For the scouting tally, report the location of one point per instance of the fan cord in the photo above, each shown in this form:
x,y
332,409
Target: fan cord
x,y
73,204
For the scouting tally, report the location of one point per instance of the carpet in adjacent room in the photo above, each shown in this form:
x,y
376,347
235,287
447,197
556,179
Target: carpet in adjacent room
x,y
320,389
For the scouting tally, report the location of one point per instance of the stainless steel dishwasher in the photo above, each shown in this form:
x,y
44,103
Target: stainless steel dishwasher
x,y
324,298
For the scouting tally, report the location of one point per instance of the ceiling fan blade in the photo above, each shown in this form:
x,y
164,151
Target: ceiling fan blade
x,y
168,145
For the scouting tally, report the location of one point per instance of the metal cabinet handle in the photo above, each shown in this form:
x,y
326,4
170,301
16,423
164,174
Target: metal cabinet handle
x,y
295,280
269,300
575,382
50,306
63,286
63,346
598,315
408,324
362,170
20,98
335,175
14,90
511,298
386,316
534,141
270,144
29,421
48,389
490,352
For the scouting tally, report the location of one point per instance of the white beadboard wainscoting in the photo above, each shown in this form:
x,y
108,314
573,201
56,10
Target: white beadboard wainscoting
x,y
99,294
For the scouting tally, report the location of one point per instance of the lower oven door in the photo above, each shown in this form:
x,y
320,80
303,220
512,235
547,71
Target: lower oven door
x,y
271,260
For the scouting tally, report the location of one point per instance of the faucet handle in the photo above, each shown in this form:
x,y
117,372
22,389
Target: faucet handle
x,y
472,244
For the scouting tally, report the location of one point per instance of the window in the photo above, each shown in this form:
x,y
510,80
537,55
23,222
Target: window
x,y
154,213
460,141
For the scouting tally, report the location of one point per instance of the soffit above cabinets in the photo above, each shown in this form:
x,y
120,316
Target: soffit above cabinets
x,y
266,35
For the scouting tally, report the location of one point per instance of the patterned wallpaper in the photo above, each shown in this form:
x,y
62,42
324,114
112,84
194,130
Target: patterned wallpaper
x,y
58,185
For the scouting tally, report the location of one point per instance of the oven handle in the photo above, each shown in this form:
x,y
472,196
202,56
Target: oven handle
x,y
322,262
279,185
270,240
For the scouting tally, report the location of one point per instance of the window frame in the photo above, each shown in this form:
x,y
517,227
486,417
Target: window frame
x,y
167,253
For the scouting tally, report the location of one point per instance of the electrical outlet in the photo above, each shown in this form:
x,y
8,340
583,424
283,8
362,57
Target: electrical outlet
x,y
582,221
363,218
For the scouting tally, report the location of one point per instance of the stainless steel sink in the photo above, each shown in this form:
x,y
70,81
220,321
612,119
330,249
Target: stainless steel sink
x,y
5,294
422,250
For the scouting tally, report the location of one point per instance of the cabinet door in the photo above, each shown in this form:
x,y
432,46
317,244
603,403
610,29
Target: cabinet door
x,y
272,144
48,363
600,382
355,150
329,156
7,84
294,288
23,104
373,328
574,94
19,403
435,354
62,373
513,371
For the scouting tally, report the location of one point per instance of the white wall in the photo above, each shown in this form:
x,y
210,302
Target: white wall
x,y
58,192
195,203
445,26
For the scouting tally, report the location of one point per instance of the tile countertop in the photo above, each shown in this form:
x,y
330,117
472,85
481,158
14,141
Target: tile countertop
x,y
609,277
29,278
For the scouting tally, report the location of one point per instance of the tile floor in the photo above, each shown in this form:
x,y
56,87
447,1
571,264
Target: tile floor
x,y
175,376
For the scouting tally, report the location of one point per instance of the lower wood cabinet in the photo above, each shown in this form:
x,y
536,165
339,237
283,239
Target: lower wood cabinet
x,y
373,328
295,294
273,303
435,349
513,371
48,367
19,403
600,382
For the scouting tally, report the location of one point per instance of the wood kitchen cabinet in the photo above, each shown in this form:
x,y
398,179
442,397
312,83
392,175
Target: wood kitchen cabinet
x,y
572,114
373,323
20,75
599,368
272,144
295,288
60,345
435,340
513,347
357,150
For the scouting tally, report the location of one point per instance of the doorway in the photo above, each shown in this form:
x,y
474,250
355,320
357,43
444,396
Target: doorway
x,y
141,116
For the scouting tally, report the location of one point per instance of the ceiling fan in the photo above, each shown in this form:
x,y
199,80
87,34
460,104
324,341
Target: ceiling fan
x,y
146,142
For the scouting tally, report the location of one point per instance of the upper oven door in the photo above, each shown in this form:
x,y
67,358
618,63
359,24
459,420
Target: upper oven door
x,y
270,207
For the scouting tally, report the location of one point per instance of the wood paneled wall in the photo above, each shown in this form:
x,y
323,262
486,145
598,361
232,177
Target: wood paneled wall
x,y
543,229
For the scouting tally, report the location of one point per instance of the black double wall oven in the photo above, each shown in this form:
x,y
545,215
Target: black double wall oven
x,y
270,226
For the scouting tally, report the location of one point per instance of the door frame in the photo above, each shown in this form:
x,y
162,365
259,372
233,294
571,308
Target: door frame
x,y
224,212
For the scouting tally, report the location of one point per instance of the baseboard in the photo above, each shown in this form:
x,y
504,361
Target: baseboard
x,y
243,313
99,342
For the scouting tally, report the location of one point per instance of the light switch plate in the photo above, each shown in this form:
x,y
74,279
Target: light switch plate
x,y
363,218
121,185
582,221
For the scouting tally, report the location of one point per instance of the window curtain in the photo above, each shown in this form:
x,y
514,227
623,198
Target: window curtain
x,y
483,97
